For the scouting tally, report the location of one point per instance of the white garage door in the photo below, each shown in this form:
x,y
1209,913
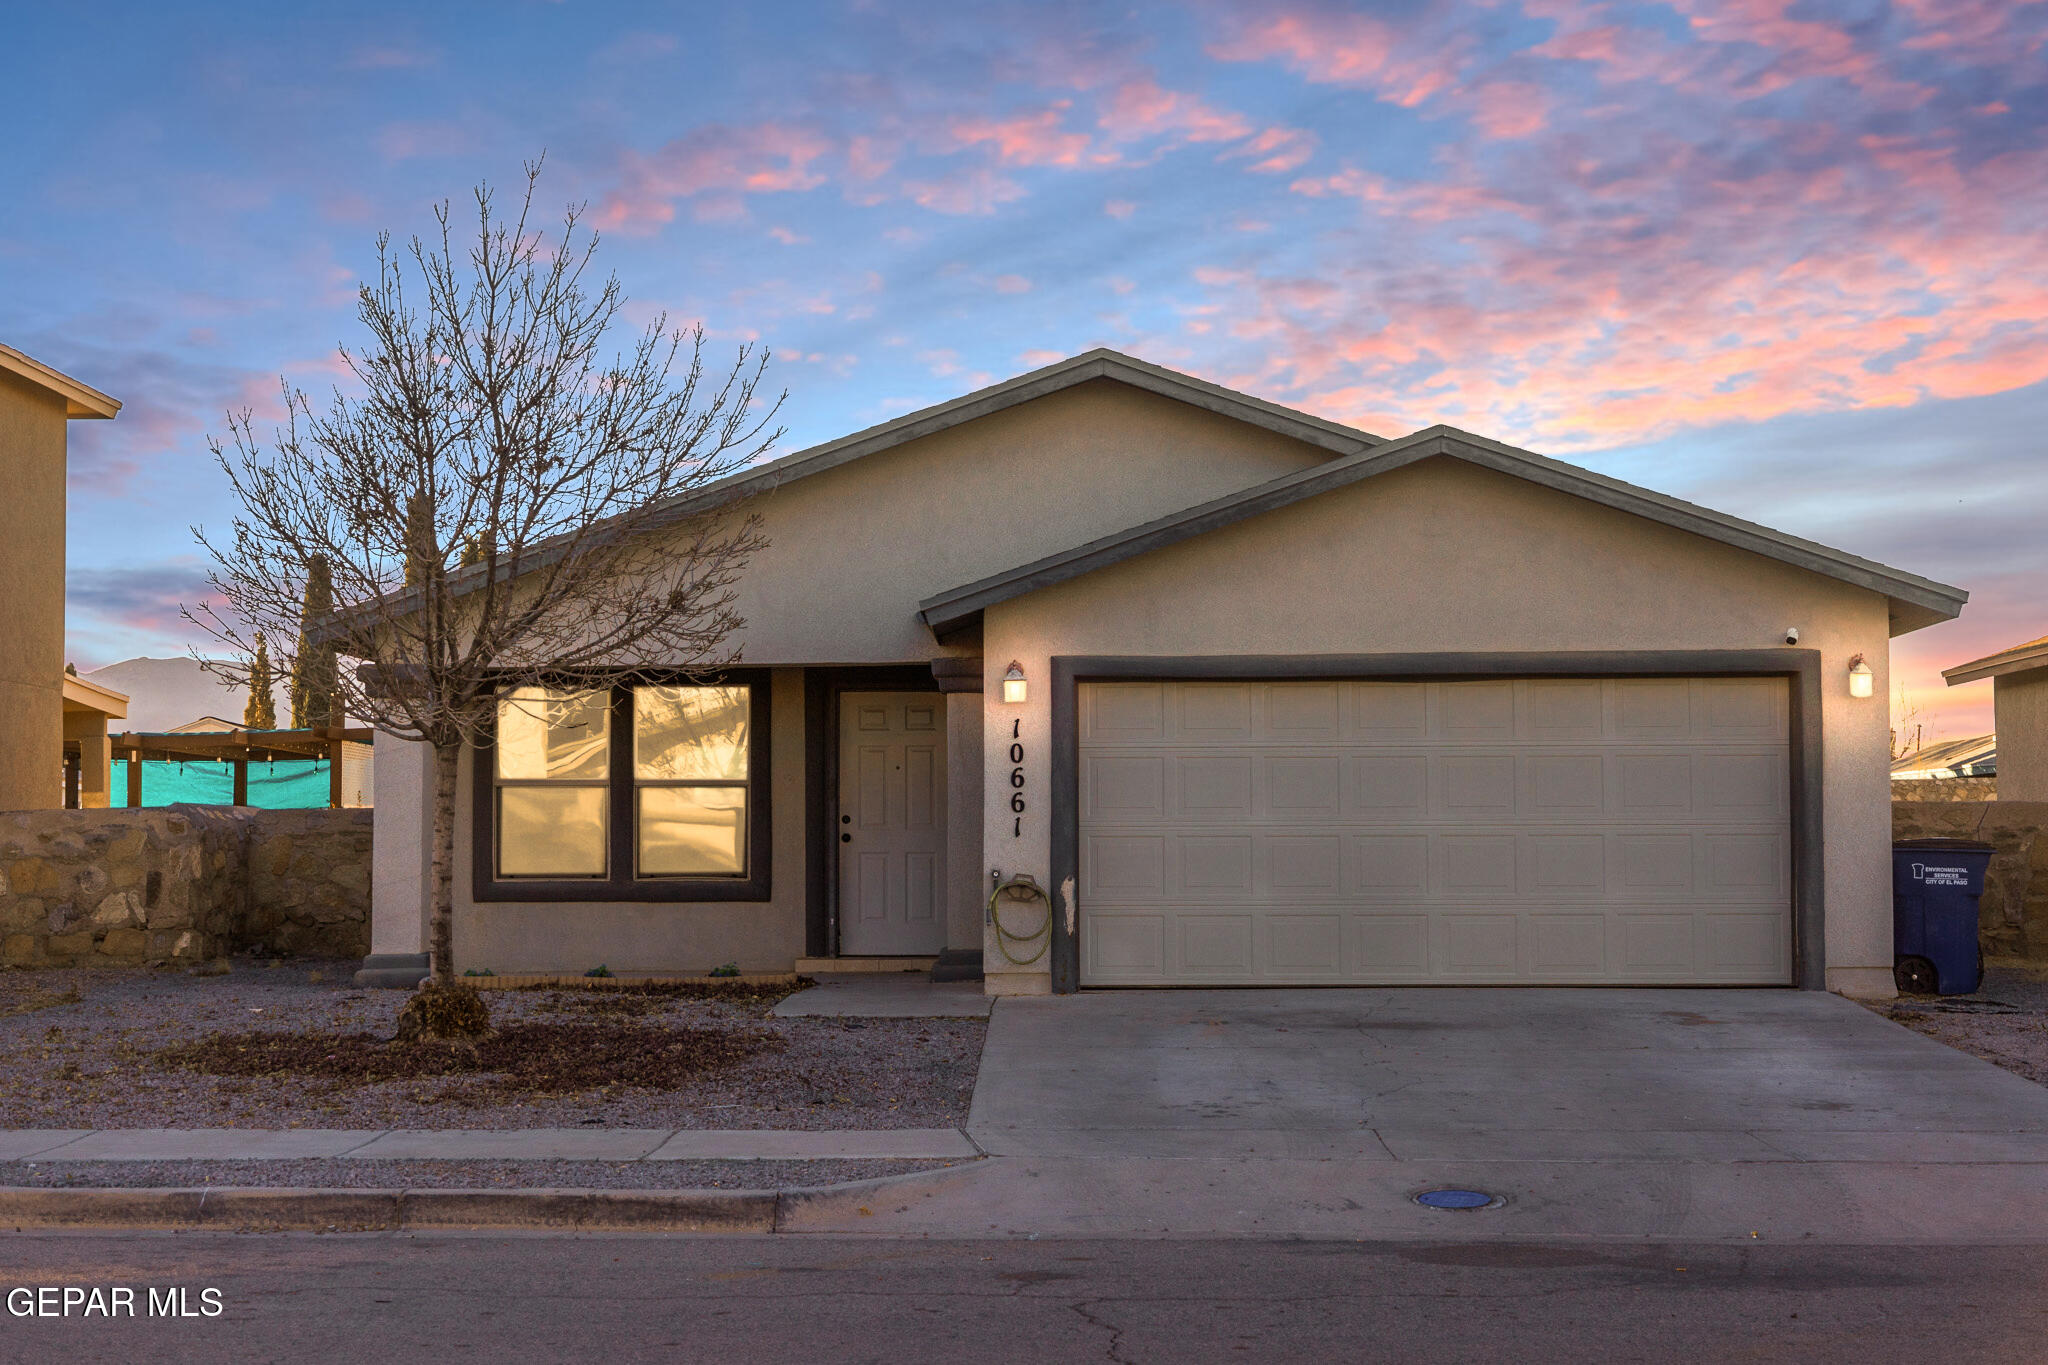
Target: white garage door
x,y
1600,831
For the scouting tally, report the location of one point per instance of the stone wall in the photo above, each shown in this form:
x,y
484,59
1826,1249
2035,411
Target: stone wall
x,y
2012,919
181,884
1946,789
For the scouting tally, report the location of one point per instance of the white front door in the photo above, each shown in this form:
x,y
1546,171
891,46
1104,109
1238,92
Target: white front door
x,y
892,823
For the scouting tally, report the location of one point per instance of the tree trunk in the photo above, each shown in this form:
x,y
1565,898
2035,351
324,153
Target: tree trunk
x,y
441,875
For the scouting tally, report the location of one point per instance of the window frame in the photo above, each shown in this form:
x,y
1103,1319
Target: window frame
x,y
622,882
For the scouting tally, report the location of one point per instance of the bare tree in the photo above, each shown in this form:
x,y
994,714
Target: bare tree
x,y
1905,725
486,506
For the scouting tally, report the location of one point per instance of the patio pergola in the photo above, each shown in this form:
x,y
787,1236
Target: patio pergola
x,y
238,748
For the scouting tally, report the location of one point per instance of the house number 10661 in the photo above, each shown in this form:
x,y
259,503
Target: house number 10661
x,y
1017,778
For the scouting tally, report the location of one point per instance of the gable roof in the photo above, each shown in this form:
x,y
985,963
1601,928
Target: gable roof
x,y
2020,658
80,400
1100,363
1915,601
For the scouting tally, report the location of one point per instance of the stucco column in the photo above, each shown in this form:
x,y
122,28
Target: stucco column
x,y
960,681
401,778
95,766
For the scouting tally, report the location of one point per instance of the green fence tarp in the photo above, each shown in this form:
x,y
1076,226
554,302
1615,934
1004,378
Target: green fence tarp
x,y
288,784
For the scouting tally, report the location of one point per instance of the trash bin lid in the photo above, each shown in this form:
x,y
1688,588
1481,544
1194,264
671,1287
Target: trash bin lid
x,y
1948,845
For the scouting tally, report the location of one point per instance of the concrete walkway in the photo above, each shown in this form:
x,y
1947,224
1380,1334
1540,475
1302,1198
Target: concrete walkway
x,y
512,1144
895,995
1737,1115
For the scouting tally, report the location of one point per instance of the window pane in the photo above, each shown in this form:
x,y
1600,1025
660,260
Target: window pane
x,y
684,732
543,732
551,831
687,831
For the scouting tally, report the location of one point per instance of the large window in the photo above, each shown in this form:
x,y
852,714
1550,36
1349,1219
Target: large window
x,y
637,793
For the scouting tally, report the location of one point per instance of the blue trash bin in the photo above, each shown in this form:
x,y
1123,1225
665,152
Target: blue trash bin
x,y
1936,884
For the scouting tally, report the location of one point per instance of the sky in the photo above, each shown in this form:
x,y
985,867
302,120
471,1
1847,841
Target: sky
x,y
1780,257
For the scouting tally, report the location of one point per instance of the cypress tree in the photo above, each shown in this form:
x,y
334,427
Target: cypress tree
x,y
314,667
261,712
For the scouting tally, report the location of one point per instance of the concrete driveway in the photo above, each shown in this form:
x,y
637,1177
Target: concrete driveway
x,y
1611,1113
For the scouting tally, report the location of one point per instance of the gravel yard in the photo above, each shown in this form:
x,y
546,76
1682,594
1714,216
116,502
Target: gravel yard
x,y
2005,1022
453,1175
115,1048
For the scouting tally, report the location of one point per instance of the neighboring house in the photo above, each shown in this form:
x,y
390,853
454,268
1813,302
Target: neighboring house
x,y
1951,758
1292,704
2019,708
36,405
88,767
204,725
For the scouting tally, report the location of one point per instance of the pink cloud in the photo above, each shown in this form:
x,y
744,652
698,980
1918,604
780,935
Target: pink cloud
x,y
1120,209
1026,139
1140,109
720,161
1510,109
976,191
1276,151
427,138
1012,284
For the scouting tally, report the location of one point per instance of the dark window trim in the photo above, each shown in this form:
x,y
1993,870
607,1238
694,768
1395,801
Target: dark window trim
x,y
822,687
621,885
1799,667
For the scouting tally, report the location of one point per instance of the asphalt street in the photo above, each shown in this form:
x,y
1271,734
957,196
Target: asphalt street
x,y
304,1297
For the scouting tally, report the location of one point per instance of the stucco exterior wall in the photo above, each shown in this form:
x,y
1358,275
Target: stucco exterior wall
x,y
853,550
1446,556
547,936
2020,707
31,597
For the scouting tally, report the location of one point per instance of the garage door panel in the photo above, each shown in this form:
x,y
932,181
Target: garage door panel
x,y
1564,946
1478,947
1563,710
1304,866
1120,789
1596,831
1213,712
1387,712
1306,945
1470,866
1391,946
1303,713
1111,712
1475,784
1380,866
1212,866
1215,946
1474,712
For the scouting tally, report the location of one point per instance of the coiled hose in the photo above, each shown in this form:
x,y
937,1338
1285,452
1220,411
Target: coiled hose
x,y
1028,888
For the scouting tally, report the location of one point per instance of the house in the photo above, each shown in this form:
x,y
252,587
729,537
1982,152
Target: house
x,y
88,756
36,406
1976,757
2019,707
1257,697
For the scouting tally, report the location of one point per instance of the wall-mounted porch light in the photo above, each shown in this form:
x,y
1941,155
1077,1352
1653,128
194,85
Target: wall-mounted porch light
x,y
1013,683
1859,677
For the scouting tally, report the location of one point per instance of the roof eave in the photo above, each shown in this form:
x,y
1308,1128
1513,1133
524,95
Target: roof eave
x,y
1996,666
80,400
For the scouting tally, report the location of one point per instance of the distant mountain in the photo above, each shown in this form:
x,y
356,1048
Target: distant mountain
x,y
165,693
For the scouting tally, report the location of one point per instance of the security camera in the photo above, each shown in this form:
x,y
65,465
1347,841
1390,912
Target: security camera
x,y
1791,635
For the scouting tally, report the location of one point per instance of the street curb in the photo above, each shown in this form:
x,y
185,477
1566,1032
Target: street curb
x,y
246,1209
292,1209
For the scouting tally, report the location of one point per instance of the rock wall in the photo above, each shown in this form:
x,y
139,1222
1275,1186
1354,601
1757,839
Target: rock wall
x,y
181,884
2012,919
1946,789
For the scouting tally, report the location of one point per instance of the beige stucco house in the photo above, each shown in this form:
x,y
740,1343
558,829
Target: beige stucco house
x,y
1258,698
2019,706
36,404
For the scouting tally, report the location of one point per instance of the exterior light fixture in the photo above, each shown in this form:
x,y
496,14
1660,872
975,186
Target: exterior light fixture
x,y
1013,683
1859,677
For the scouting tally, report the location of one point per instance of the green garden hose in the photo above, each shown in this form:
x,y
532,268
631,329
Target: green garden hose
x,y
1024,883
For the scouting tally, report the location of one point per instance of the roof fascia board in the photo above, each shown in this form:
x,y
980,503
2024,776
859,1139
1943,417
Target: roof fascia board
x,y
80,400
960,608
1997,666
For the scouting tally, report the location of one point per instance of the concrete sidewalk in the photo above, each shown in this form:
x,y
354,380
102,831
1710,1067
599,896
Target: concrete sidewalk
x,y
535,1144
